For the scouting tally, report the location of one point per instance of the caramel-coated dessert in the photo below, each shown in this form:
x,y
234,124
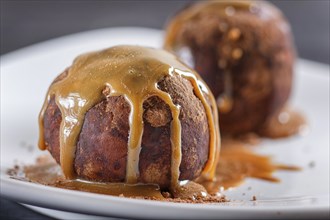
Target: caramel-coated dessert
x,y
131,114
244,52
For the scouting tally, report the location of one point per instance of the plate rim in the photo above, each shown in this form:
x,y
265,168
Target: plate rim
x,y
6,183
55,198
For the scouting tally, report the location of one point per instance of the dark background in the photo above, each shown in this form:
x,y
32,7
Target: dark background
x,y
27,22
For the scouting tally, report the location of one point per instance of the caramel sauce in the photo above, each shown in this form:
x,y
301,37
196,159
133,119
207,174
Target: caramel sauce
x,y
48,172
225,101
132,72
237,162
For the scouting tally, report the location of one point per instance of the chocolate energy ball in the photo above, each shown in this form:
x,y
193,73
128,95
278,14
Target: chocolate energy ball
x,y
130,114
244,52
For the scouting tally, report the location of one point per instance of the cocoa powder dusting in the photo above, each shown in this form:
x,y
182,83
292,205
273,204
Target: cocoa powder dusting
x,y
237,162
47,172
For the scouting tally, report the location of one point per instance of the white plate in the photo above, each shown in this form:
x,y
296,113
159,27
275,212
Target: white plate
x,y
26,74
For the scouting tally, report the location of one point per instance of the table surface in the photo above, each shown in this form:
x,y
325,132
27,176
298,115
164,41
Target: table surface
x,y
27,22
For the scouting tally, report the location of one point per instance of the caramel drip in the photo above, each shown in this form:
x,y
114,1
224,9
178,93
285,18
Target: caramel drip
x,y
132,72
134,141
175,137
47,172
237,163
212,114
225,100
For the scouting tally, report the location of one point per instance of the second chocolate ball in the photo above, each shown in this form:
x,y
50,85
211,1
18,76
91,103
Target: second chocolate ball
x,y
244,51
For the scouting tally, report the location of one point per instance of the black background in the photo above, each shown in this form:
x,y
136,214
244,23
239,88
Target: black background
x,y
27,22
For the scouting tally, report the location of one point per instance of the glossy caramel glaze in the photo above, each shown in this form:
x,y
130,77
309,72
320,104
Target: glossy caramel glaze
x,y
132,72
